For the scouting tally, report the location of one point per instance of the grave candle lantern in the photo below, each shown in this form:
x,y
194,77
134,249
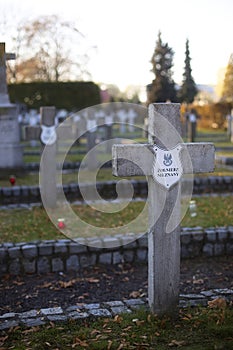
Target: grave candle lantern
x,y
61,223
12,180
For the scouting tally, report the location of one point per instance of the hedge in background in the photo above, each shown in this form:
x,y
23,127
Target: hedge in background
x,y
62,95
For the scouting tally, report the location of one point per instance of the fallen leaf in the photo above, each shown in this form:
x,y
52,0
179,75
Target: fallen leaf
x,y
135,294
80,342
118,319
121,346
67,284
218,303
93,280
109,344
46,285
198,281
176,343
3,339
138,322
125,279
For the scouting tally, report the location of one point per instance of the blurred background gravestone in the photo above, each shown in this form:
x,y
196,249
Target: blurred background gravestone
x,y
11,152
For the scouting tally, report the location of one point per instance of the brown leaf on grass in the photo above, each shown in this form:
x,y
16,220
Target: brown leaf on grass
x,y
110,342
30,330
80,342
177,343
138,322
187,317
218,303
121,346
2,340
95,331
118,319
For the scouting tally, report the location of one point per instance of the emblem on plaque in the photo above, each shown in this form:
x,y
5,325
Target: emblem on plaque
x,y
167,168
48,135
167,159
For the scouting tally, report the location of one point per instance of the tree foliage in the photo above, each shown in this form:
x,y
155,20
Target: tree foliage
x,y
48,50
227,92
67,95
188,88
163,86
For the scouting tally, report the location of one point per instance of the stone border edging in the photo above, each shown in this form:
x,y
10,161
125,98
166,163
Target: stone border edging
x,y
41,257
109,309
107,190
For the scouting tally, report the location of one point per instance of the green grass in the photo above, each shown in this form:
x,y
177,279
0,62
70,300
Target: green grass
x,y
211,212
225,153
28,225
104,174
194,329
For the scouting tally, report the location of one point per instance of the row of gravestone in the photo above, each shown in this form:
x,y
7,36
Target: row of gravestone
x,y
107,190
123,113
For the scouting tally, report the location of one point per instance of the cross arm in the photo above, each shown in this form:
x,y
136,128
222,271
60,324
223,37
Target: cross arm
x,y
10,56
137,159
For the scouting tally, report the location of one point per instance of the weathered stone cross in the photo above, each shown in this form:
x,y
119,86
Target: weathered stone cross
x,y
4,98
164,160
47,134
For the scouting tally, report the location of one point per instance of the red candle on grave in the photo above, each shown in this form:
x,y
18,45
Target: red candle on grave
x,y
61,223
12,180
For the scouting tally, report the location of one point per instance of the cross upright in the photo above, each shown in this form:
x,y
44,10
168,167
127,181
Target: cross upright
x,y
4,98
163,160
47,134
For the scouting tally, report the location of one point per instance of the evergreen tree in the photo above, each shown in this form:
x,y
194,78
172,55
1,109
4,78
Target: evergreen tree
x,y
227,92
188,88
162,88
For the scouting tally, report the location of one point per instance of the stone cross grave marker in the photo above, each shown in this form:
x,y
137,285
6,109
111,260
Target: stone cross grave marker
x,y
11,152
48,137
4,98
164,159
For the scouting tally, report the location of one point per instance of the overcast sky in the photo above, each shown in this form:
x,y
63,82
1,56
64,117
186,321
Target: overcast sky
x,y
125,33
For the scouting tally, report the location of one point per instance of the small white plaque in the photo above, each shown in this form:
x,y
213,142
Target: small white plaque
x,y
91,125
167,167
108,120
48,135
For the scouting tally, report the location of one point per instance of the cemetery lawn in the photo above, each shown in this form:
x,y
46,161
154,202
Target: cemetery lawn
x,y
194,329
21,225
104,174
